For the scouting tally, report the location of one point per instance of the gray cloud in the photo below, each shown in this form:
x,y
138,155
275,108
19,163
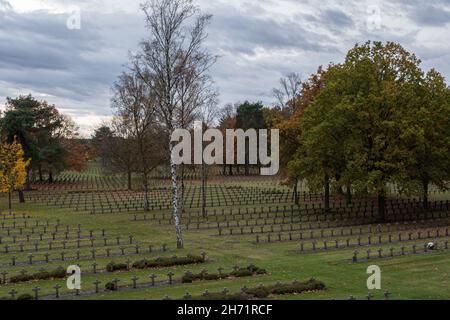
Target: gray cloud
x,y
430,15
41,41
240,32
337,18
40,54
258,41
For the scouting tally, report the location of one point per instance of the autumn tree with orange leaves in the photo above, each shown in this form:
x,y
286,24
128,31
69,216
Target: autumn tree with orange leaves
x,y
293,96
76,154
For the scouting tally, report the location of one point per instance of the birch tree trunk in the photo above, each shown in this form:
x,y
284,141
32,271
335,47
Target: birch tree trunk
x,y
181,199
175,211
175,67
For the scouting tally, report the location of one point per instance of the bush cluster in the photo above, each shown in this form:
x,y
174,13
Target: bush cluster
x,y
262,292
25,296
224,296
111,286
41,275
251,270
112,266
157,263
285,288
167,262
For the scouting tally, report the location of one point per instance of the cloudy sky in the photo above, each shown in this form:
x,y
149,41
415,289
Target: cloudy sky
x,y
258,41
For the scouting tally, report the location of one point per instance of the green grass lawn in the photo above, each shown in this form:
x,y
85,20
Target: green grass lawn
x,y
421,276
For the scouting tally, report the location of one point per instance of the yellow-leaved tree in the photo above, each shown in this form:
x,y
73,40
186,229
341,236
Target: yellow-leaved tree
x,y
12,168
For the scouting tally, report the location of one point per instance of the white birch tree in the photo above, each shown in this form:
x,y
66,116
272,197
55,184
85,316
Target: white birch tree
x,y
172,57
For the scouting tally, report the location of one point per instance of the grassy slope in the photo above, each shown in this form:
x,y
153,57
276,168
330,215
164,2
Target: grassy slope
x,y
415,277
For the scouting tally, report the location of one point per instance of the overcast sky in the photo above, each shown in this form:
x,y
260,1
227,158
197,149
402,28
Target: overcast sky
x,y
258,41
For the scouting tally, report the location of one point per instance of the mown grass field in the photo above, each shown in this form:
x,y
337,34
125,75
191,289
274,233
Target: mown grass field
x,y
420,276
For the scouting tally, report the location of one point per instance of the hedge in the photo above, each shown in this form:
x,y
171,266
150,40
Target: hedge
x,y
262,292
157,263
59,273
251,270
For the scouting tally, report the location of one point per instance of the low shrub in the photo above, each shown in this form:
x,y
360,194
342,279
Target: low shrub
x,y
167,262
21,278
262,292
211,277
258,292
112,266
59,273
188,278
141,264
111,286
287,288
41,275
249,271
296,287
241,273
254,269
25,296
225,296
